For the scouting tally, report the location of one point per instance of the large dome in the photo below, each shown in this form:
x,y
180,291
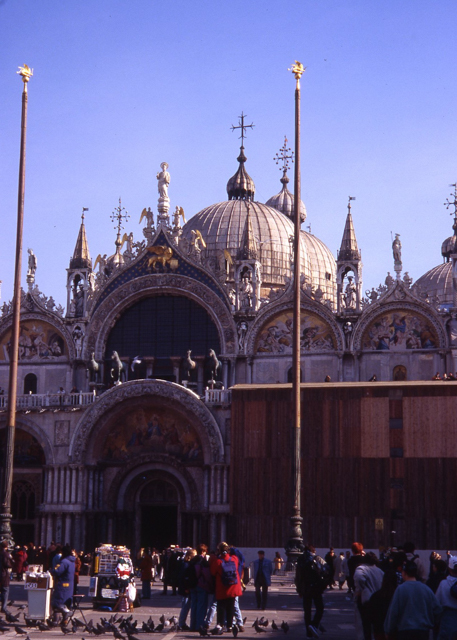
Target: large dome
x,y
224,226
437,285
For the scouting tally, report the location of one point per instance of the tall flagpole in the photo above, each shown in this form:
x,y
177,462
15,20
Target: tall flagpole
x,y
294,546
8,461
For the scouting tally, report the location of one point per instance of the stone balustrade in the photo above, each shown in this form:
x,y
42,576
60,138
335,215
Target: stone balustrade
x,y
218,396
40,401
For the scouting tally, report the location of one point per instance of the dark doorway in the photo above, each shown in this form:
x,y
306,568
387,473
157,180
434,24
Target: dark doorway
x,y
30,383
159,526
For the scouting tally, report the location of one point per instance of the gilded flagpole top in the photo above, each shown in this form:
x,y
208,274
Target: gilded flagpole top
x,y
26,73
297,69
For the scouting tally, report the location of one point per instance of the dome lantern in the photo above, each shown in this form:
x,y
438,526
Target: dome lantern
x,y
241,185
284,200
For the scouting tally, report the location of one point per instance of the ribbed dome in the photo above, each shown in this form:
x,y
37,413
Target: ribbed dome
x,y
437,282
222,226
322,264
284,202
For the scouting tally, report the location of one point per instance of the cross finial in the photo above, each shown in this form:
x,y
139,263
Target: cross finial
x,y
243,127
119,215
452,203
284,155
349,203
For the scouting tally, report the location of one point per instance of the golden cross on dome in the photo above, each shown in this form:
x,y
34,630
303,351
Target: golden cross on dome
x,y
243,127
285,154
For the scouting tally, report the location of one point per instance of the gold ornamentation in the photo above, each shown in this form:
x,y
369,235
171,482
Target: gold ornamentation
x,y
297,69
198,238
162,255
26,73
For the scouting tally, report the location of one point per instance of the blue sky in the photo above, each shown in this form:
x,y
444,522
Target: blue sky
x,y
120,86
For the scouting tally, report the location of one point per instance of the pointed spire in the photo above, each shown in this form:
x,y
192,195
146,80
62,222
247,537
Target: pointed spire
x,y
349,249
248,248
81,256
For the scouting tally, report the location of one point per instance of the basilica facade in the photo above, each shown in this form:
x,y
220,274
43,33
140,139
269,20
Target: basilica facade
x,y
125,416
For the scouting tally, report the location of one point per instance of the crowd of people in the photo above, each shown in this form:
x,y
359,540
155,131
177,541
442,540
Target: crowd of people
x,y
62,561
395,596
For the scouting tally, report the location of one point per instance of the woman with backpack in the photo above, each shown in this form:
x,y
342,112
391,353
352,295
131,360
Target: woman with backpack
x,y
224,567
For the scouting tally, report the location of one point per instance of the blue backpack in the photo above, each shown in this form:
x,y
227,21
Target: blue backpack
x,y
229,575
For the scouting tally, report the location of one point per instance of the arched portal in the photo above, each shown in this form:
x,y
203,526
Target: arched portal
x,y
161,506
156,468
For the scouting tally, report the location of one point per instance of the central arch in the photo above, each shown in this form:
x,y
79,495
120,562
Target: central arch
x,y
106,315
166,395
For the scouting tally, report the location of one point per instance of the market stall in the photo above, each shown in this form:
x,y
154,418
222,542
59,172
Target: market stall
x,y
111,573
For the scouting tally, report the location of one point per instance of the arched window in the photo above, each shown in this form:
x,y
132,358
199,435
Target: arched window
x,y
160,328
30,383
399,373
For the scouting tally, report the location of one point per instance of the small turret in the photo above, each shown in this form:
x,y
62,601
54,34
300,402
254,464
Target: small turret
x,y
284,200
349,269
79,275
248,269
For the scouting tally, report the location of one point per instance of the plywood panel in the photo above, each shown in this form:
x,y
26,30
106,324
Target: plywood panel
x,y
430,427
375,427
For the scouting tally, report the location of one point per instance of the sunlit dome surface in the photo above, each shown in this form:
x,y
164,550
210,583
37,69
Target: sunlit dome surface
x,y
223,226
437,282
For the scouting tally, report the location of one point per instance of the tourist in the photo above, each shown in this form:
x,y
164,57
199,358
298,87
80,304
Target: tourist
x,y
146,567
278,562
64,575
311,579
228,584
263,568
448,624
414,609
187,581
367,580
6,564
203,587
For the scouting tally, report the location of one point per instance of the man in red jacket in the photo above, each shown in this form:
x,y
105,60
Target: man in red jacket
x,y
228,585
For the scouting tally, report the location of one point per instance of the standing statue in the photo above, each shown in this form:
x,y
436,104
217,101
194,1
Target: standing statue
x,y
78,296
246,292
396,250
31,266
242,331
350,294
78,339
164,180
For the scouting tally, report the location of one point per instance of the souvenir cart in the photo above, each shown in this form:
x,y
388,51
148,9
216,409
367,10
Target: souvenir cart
x,y
104,582
38,586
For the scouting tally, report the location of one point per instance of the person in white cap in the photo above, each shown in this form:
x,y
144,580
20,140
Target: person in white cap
x,y
448,601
